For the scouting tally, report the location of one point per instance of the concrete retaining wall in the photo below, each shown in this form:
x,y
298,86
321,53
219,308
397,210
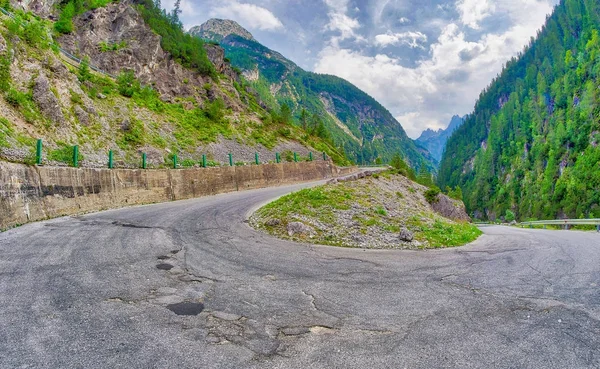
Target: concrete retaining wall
x,y
34,193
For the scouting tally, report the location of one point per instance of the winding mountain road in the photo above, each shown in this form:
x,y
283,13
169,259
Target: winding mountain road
x,y
111,290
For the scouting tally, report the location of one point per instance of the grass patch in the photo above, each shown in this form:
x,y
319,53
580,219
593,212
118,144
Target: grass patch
x,y
442,234
63,154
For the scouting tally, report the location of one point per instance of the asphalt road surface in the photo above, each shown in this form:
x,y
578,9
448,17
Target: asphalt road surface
x,y
189,285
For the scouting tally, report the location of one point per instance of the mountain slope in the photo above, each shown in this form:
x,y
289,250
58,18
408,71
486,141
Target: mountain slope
x,y
435,141
356,121
531,144
160,92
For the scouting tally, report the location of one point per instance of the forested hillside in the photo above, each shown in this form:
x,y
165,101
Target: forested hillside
x,y
330,106
531,144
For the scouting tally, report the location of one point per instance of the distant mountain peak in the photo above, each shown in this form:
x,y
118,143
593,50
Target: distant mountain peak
x,y
218,29
435,141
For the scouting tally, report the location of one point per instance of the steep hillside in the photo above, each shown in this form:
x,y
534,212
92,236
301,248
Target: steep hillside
x,y
435,141
531,145
123,76
365,129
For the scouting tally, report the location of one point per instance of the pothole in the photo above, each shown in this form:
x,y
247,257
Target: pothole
x,y
186,308
163,257
164,266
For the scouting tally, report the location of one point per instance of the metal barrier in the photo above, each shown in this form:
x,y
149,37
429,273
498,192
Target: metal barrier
x,y
564,222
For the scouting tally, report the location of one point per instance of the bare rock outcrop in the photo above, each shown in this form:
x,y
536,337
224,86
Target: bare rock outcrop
x,y
43,8
141,52
46,101
298,228
450,209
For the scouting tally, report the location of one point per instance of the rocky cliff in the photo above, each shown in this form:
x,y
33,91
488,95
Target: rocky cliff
x,y
160,107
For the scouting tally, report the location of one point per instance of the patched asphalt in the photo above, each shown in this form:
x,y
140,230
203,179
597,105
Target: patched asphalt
x,y
189,285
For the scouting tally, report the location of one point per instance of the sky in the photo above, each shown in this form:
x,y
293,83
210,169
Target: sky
x,y
424,60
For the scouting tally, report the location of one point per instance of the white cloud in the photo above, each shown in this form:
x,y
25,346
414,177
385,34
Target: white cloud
x,y
404,20
412,39
248,15
449,81
343,24
339,21
474,11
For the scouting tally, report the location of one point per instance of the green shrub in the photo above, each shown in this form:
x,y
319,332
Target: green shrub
x,y
381,211
63,154
215,110
112,46
6,130
65,19
84,70
509,216
431,195
188,163
127,83
135,136
5,78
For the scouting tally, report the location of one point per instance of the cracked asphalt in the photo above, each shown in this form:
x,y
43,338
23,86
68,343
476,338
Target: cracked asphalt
x,y
189,285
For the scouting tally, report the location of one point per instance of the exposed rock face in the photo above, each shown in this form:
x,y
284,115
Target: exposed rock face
x,y
450,209
218,29
297,228
46,101
82,116
216,55
43,8
406,235
117,23
3,47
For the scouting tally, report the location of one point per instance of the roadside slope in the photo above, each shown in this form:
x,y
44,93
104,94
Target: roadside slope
x,y
384,210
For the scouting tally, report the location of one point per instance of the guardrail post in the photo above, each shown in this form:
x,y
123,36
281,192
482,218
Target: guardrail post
x,y
38,152
175,161
75,156
230,160
295,157
598,228
256,158
310,158
203,161
110,159
144,160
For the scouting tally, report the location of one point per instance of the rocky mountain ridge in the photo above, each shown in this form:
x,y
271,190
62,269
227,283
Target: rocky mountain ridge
x,y
435,141
218,29
356,121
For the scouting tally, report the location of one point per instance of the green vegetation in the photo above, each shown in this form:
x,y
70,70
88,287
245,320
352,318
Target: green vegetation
x,y
509,216
431,195
63,154
71,8
187,50
375,216
112,46
532,143
310,98
442,234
